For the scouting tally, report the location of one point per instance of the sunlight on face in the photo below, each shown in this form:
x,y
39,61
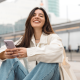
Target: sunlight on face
x,y
38,19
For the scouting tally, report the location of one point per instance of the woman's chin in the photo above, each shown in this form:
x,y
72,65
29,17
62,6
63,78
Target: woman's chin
x,y
36,26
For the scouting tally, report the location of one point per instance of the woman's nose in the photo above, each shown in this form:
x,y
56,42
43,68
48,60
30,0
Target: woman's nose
x,y
36,16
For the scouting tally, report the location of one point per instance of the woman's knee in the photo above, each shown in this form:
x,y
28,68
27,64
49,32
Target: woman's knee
x,y
46,70
48,64
9,63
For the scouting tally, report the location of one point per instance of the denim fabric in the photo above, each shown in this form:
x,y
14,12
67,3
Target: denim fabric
x,y
12,69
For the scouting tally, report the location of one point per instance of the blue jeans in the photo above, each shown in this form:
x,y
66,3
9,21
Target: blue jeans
x,y
12,69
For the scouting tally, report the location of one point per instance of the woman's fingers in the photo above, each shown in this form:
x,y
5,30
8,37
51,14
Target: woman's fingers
x,y
8,50
15,55
21,55
16,52
16,49
8,53
9,57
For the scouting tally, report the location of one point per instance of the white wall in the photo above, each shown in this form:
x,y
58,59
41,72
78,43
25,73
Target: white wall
x,y
64,38
74,40
56,20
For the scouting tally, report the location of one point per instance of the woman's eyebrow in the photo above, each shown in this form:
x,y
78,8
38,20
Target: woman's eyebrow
x,y
41,14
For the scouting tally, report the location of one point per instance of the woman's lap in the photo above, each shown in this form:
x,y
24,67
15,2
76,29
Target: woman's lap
x,y
43,71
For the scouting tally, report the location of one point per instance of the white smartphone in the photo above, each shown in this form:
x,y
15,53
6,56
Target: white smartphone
x,y
9,44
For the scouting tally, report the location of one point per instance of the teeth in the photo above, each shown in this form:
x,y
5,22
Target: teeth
x,y
36,21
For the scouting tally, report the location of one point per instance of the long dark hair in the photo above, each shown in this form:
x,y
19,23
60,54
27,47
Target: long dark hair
x,y
25,41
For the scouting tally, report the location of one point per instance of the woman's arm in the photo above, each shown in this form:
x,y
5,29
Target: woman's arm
x,y
50,53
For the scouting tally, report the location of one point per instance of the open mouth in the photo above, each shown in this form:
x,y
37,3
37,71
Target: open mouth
x,y
36,21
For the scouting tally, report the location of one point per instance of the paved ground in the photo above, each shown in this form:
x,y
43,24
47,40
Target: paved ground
x,y
73,56
76,68
74,60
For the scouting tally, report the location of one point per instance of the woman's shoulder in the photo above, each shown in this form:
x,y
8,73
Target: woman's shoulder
x,y
54,35
51,34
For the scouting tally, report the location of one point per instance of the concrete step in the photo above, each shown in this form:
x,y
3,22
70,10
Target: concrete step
x,y
76,68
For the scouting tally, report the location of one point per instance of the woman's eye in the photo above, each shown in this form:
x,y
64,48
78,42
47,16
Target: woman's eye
x,y
41,16
33,14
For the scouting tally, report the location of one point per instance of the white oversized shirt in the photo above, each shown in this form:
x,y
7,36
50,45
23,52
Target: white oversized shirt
x,y
48,50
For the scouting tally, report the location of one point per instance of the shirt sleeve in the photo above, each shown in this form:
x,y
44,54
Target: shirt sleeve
x,y
50,53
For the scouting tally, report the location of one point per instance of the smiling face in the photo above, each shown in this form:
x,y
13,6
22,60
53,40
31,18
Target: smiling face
x,y
38,19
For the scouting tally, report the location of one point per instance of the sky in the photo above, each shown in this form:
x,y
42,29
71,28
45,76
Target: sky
x,y
13,10
70,8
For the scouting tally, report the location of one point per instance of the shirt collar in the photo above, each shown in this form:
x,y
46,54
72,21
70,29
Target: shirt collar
x,y
43,38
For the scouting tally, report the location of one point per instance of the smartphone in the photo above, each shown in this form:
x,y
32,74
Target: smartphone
x,y
9,44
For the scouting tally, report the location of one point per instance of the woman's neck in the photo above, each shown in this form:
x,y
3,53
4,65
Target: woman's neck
x,y
37,34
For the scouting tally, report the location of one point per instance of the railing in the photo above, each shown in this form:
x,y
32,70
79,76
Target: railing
x,y
73,56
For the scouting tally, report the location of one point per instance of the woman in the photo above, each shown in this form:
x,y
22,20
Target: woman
x,y
40,45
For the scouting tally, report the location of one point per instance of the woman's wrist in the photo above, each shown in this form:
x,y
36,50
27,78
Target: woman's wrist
x,y
2,56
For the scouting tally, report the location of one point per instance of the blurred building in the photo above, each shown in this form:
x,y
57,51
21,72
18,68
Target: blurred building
x,y
50,6
53,6
52,9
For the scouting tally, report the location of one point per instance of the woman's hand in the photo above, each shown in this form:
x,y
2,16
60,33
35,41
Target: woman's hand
x,y
8,54
22,52
16,52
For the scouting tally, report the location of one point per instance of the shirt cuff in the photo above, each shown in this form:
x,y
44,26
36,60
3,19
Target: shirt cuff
x,y
30,54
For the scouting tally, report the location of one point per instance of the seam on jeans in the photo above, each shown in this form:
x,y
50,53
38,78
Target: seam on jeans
x,y
55,71
48,73
11,70
22,71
